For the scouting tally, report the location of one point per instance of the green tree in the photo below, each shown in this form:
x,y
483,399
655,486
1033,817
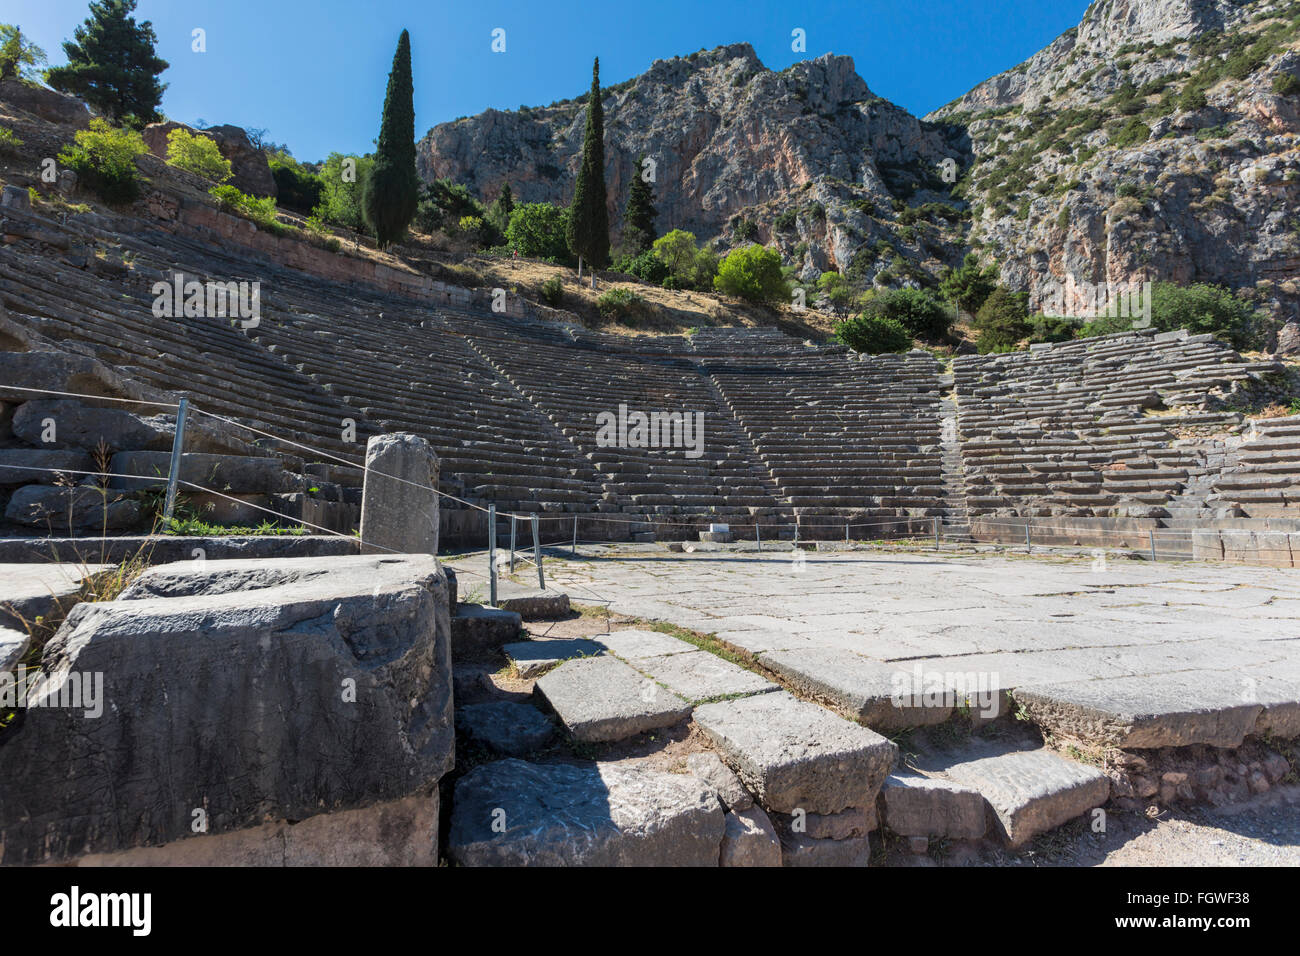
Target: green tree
x,y
752,273
500,210
836,288
1002,321
677,251
538,230
639,232
112,64
916,310
19,58
873,334
297,186
198,155
342,179
1203,307
588,227
103,157
968,286
392,191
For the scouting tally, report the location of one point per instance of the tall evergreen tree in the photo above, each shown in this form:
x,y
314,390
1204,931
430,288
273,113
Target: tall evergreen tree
x,y
588,231
499,212
639,232
392,191
112,64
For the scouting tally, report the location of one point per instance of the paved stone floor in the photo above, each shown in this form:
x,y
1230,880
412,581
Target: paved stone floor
x,y
1030,619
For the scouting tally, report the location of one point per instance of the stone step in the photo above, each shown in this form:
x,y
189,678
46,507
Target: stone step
x,y
1030,792
514,813
793,755
602,700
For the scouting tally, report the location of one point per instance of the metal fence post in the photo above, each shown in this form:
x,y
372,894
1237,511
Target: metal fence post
x,y
1028,546
512,544
758,535
846,532
1151,534
936,533
174,472
492,554
537,554
575,536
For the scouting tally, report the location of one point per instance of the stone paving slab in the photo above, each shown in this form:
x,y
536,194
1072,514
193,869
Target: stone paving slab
x,y
700,676
602,699
513,813
792,754
532,658
800,850
632,645
1177,710
879,695
1033,791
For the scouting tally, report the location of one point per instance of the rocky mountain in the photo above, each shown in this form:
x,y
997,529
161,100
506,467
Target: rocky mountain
x,y
1159,139
808,156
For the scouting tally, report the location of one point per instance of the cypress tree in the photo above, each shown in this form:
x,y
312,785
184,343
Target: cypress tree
x,y
639,220
588,231
112,64
392,191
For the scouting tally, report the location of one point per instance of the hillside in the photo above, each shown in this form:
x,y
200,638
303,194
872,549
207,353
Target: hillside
x,y
1157,140
1160,139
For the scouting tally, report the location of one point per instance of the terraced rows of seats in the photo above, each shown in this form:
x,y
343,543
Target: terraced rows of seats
x,y
575,383
51,289
1264,481
1089,428
843,437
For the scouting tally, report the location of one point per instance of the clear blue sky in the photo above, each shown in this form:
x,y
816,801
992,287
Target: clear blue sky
x,y
313,72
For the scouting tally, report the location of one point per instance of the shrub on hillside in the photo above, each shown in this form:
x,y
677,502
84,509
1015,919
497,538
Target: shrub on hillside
x,y
916,310
753,273
1002,321
553,292
619,302
1203,307
261,211
646,266
969,285
873,334
1286,84
538,230
9,141
103,157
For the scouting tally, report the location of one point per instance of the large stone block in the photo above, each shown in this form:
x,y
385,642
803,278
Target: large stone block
x,y
399,506
228,474
318,693
913,805
512,813
83,426
73,509
750,839
27,466
795,755
29,591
